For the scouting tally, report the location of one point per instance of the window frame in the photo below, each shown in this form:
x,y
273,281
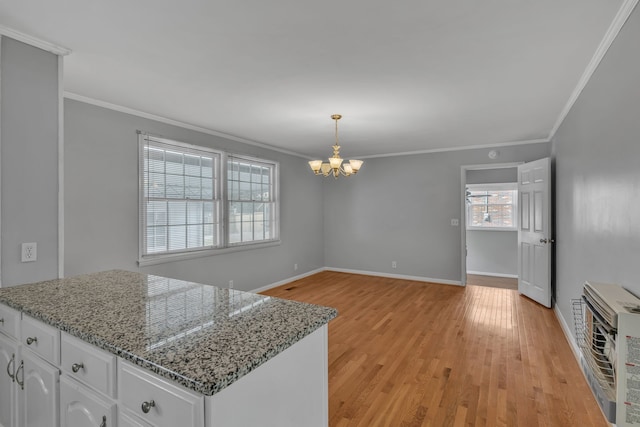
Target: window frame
x,y
220,189
506,186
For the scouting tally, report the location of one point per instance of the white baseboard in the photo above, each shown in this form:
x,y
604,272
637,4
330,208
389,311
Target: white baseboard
x,y
396,276
567,333
361,272
288,280
484,273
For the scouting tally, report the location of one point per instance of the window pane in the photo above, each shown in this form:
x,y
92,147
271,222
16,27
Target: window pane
x,y
156,213
207,167
194,212
245,172
245,190
174,163
193,189
156,185
175,186
177,237
177,213
195,236
192,165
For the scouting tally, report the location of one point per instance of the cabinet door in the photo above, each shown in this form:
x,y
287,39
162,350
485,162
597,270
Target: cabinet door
x,y
81,407
38,397
129,420
8,390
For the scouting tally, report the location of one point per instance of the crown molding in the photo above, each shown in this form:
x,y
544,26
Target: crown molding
x,y
618,22
165,120
466,147
34,41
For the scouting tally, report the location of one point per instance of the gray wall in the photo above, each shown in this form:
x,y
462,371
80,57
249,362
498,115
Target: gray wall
x,y
29,161
101,204
482,176
597,153
492,252
400,209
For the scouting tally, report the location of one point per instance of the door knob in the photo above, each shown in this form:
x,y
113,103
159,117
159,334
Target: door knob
x,y
547,241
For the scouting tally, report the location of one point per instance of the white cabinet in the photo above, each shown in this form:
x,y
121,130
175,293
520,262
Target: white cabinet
x,y
28,384
129,420
38,397
156,401
88,364
81,407
8,390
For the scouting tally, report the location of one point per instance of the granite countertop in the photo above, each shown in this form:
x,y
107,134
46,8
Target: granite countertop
x,y
200,336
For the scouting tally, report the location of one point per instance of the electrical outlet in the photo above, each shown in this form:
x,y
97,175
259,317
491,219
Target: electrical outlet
x,y
230,284
394,264
295,267
29,252
455,222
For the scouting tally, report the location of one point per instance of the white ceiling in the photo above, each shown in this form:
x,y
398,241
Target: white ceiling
x,y
414,75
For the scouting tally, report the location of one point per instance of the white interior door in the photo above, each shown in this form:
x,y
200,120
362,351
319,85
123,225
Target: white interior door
x,y
534,231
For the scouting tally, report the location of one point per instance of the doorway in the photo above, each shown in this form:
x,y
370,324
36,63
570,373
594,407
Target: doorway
x,y
489,229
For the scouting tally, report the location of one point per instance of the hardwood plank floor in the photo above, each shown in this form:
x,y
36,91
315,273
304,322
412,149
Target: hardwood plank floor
x,y
404,353
492,281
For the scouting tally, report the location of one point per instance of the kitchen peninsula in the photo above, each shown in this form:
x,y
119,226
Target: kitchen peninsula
x,y
131,349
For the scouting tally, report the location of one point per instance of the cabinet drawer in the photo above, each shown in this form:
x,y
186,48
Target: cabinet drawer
x,y
9,321
42,339
83,407
89,364
167,405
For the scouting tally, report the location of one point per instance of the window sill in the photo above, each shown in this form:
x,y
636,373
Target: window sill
x,y
161,259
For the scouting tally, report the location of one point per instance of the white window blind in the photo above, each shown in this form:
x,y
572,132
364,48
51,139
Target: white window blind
x,y
251,200
180,203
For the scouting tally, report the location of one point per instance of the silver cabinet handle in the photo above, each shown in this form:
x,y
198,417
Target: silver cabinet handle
x,y
21,367
12,362
77,366
104,421
146,406
31,340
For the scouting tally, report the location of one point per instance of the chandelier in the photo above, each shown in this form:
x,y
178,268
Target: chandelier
x,y
335,166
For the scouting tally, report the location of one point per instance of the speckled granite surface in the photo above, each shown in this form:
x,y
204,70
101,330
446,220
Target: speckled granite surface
x,y
200,336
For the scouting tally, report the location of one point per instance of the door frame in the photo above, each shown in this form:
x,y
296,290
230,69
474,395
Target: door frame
x,y
463,210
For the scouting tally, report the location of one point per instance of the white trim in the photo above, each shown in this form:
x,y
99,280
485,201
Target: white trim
x,y
466,147
138,113
567,333
161,259
484,273
618,22
60,166
288,280
34,41
360,272
396,276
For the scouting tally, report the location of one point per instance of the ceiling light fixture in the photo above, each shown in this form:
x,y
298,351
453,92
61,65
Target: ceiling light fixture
x,y
335,166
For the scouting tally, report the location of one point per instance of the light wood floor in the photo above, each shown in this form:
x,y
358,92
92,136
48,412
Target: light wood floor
x,y
492,281
405,353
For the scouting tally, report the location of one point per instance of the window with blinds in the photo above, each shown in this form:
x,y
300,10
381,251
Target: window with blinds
x,y
180,201
196,201
251,200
